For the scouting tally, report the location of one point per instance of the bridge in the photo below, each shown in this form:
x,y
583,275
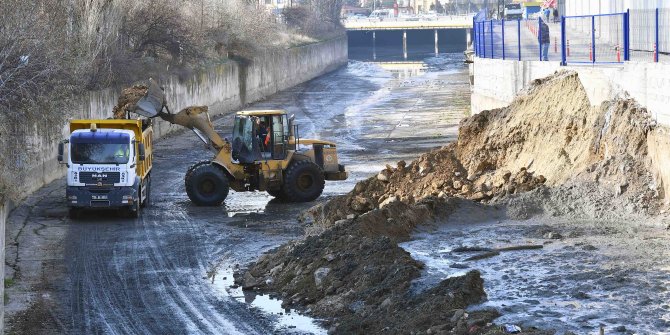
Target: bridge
x,y
412,23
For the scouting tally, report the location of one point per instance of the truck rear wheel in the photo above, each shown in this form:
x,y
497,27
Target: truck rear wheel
x,y
303,182
206,185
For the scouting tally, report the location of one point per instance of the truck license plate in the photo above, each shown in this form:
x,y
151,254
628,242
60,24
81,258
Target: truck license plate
x,y
99,197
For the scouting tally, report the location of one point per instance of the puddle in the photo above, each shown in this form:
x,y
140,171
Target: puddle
x,y
574,284
286,320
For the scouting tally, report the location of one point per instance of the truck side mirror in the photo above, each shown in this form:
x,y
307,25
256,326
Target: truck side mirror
x,y
61,150
141,151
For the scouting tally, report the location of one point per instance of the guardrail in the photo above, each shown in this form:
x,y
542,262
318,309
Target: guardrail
x,y
641,35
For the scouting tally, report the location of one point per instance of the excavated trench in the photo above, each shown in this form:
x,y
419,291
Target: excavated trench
x,y
540,212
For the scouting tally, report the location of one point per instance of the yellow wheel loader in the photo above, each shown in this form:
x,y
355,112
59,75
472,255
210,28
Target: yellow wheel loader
x,y
265,153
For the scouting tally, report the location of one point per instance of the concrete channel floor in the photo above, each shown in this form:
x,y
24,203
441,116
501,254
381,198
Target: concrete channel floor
x,y
153,275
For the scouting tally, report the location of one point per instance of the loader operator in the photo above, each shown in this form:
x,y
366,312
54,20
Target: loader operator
x,y
262,135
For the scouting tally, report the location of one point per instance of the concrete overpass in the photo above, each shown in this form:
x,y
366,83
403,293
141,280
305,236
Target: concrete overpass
x,y
411,23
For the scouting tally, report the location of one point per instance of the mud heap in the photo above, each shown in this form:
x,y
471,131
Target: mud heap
x,y
549,152
129,98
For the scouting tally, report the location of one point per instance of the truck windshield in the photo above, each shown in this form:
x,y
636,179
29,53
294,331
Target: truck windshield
x,y
100,153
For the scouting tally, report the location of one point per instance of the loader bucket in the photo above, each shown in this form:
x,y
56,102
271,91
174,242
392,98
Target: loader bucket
x,y
152,103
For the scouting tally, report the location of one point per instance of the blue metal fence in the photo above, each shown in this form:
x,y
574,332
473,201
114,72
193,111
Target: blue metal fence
x,y
587,39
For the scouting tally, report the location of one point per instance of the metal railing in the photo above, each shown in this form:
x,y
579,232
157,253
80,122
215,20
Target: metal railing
x,y
639,35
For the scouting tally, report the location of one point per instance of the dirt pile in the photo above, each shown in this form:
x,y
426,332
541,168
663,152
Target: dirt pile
x,y
357,275
128,98
549,135
549,152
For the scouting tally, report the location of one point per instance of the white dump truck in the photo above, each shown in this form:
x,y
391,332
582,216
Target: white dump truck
x,y
109,165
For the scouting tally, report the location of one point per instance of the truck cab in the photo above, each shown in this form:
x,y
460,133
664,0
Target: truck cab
x,y
107,164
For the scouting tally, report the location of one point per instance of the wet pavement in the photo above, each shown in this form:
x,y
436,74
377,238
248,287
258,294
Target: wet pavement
x,y
170,270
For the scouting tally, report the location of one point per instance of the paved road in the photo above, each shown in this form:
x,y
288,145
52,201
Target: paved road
x,y
154,275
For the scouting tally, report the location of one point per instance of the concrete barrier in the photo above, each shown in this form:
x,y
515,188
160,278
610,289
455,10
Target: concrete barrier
x,y
223,88
496,82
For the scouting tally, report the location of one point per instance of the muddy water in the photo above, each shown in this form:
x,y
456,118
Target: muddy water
x,y
609,274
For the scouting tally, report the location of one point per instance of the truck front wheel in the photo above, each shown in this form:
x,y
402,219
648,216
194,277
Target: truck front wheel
x,y
74,213
207,185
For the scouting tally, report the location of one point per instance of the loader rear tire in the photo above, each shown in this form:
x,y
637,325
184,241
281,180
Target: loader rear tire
x,y
303,182
206,185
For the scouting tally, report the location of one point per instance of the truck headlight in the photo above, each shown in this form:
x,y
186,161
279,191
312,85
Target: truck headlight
x,y
127,199
72,197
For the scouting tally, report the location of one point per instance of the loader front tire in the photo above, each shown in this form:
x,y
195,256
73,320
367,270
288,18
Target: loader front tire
x,y
206,185
303,182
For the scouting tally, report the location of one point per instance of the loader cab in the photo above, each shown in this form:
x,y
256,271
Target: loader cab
x,y
260,136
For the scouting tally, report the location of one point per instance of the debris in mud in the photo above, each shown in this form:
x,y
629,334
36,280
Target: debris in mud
x,y
128,99
549,152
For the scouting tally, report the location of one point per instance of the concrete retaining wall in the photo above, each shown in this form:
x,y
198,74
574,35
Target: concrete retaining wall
x,y
223,88
496,83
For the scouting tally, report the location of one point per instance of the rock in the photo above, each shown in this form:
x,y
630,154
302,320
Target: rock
x,y
329,257
360,204
506,176
467,188
386,303
620,329
478,196
458,314
249,281
320,274
382,176
552,236
351,216
343,221
388,201
276,269
401,165
457,184
580,295
425,168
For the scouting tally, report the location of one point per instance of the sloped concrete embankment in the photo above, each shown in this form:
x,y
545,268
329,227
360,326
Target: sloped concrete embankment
x,y
550,152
